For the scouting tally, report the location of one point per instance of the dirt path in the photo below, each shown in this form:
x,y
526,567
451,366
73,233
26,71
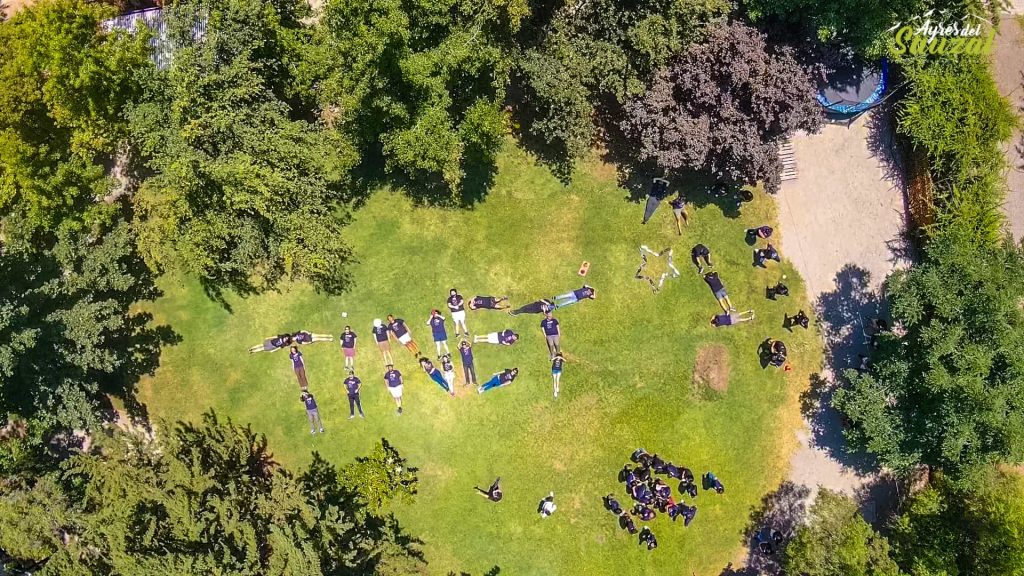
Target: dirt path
x,y
1008,68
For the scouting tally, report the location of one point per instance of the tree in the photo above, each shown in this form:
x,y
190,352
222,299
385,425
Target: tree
x,y
419,84
68,330
948,390
836,541
589,59
724,106
64,87
243,195
977,530
205,498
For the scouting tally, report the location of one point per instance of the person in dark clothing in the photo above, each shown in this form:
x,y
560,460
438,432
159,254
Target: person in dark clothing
x,y
644,513
448,371
647,537
468,369
352,387
657,464
382,335
764,542
299,367
536,307
767,253
673,471
438,331
556,371
711,482
395,384
759,232
626,523
642,493
493,493
435,375
687,512
678,205
641,457
552,334
506,337
488,303
661,489
499,379
401,333
348,347
457,308
715,283
584,293
312,412
272,344
612,505
800,320
307,337
731,318
700,251
779,289
774,352
625,473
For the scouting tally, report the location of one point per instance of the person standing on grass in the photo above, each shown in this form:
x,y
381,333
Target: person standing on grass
x,y
312,413
394,383
382,335
348,347
457,307
715,283
436,323
448,369
556,371
584,293
468,370
552,334
401,332
499,379
731,318
506,338
700,251
435,375
299,366
352,386
678,205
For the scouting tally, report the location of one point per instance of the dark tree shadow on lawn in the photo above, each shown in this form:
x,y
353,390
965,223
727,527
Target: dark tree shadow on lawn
x,y
843,314
782,510
494,571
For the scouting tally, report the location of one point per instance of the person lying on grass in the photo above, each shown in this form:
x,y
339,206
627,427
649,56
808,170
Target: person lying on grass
x,y
488,303
272,344
401,333
499,379
506,338
584,293
731,318
436,375
307,337
536,307
715,283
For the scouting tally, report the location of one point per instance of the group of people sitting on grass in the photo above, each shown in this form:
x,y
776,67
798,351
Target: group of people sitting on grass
x,y
651,494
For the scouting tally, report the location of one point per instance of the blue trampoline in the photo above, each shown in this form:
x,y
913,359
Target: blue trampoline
x,y
854,88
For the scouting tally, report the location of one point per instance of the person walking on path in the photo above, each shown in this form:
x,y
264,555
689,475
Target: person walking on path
x,y
731,318
499,379
556,371
437,329
401,333
584,293
348,347
506,337
552,334
382,335
312,413
299,366
436,375
715,283
468,369
393,382
678,205
352,386
457,307
700,251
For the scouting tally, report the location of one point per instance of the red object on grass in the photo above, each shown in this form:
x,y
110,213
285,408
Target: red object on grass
x,y
584,268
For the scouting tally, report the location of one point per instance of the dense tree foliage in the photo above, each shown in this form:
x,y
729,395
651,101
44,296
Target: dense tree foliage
x,y
724,106
242,194
952,531
68,333
418,83
204,499
836,541
589,58
948,391
64,88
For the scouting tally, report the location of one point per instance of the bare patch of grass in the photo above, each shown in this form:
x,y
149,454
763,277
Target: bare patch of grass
x,y
711,370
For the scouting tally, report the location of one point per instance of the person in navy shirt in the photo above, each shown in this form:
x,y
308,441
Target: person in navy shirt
x,y
556,371
466,351
499,379
402,334
505,337
457,307
352,386
679,211
699,252
312,412
272,344
448,369
437,330
536,307
348,347
584,293
436,375
382,335
394,383
552,334
488,303
299,367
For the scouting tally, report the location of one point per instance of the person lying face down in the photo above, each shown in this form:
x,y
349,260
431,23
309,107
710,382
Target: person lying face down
x,y
488,303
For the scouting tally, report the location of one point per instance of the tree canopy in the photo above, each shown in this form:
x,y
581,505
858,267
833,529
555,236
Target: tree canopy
x,y
204,498
724,106
948,391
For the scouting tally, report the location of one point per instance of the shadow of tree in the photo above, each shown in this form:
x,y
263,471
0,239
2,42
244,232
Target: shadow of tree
x,y
783,510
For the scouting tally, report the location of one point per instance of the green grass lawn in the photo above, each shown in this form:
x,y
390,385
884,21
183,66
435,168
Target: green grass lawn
x,y
628,381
